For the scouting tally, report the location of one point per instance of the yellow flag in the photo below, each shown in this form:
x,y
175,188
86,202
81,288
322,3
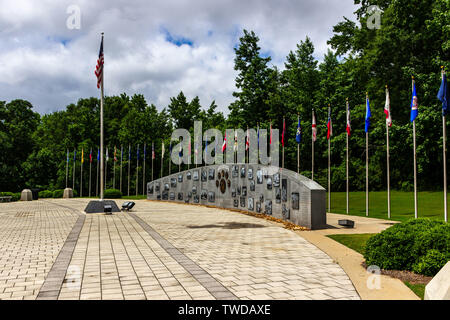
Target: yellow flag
x,y
82,155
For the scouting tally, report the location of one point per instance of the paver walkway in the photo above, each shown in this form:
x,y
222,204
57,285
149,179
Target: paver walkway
x,y
159,251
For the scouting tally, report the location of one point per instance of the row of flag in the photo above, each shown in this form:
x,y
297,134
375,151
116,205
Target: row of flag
x,y
114,155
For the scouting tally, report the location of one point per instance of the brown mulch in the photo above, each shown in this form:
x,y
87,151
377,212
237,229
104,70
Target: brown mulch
x,y
404,275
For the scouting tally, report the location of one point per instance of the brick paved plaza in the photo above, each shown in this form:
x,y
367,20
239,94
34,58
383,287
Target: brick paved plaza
x,y
50,249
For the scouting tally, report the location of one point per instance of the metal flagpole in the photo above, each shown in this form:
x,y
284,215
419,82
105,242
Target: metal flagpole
x,y
170,157
415,163
444,150
298,149
67,167
367,163
329,165
81,174
114,168
121,161
106,169
346,165
137,170
101,133
153,157
74,163
284,123
312,146
162,159
96,180
129,162
388,156
143,171
90,172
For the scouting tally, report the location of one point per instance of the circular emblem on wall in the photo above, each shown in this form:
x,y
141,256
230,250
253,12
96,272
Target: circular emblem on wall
x,y
222,182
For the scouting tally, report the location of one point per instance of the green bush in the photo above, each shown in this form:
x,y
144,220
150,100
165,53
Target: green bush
x,y
58,193
407,245
14,196
45,194
112,194
431,263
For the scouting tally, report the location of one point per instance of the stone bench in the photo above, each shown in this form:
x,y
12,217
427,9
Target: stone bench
x,y
5,199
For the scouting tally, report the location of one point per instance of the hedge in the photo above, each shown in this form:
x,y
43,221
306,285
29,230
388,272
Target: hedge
x,y
419,245
112,194
14,196
45,194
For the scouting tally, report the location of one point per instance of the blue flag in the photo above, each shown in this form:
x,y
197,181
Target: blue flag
x,y
444,95
137,153
98,155
298,136
414,104
74,155
67,155
368,115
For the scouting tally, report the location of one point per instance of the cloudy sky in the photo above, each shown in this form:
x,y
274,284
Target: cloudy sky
x,y
156,47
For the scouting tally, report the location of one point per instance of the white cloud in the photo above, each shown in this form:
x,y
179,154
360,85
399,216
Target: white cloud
x,y
41,60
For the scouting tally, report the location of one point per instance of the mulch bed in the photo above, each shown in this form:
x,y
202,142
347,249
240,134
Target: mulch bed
x,y
404,275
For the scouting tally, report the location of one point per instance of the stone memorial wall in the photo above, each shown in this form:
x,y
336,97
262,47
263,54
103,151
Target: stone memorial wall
x,y
256,188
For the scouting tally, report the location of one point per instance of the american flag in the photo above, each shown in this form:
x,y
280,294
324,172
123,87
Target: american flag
x,y
329,125
99,67
224,145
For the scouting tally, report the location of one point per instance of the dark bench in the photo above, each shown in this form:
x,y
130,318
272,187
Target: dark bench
x,y
5,199
347,223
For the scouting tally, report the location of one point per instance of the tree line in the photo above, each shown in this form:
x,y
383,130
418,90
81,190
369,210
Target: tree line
x,y
413,40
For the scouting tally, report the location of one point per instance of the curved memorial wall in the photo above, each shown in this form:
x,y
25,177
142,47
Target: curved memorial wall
x,y
250,187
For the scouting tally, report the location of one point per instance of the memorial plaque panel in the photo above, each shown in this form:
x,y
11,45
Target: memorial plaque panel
x,y
180,196
250,173
165,195
244,191
172,196
211,196
242,201
150,189
196,199
166,187
269,183
242,172
189,175
204,176
250,204
211,174
238,190
233,192
259,176
277,195
252,185
158,197
194,189
258,206
284,190
285,212
295,200
204,195
268,207
180,178
261,198
235,203
235,172
157,187
195,175
276,180
173,182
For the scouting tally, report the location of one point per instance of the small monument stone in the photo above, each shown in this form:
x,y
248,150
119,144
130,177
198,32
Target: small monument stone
x,y
26,195
68,193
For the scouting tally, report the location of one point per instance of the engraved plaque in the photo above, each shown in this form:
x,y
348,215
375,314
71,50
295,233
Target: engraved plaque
x,y
261,198
165,195
250,204
285,212
180,178
211,196
265,173
278,195
239,190
250,173
242,201
269,183
204,176
189,175
157,186
166,187
235,171
284,190
172,196
259,177
235,203
244,191
194,189
180,196
276,180
173,182
150,189
195,175
252,185
211,174
204,195
196,199
242,172
295,197
258,207
233,192
158,197
268,207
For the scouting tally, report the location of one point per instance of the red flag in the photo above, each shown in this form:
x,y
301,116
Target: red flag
x,y
284,132
270,142
224,146
348,128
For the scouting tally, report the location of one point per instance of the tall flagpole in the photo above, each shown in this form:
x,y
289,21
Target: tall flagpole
x,y
137,171
153,156
388,157
114,167
346,165
170,157
284,126
106,169
143,171
101,132
121,161
81,174
444,150
367,162
162,159
74,164
129,163
312,146
96,181
298,149
415,163
329,164
90,172
67,167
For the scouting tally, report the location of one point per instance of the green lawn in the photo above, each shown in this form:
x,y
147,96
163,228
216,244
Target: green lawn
x,y
418,289
353,241
430,204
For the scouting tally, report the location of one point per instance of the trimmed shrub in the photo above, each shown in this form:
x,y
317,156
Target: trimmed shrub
x,y
14,196
58,193
407,245
45,194
112,194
